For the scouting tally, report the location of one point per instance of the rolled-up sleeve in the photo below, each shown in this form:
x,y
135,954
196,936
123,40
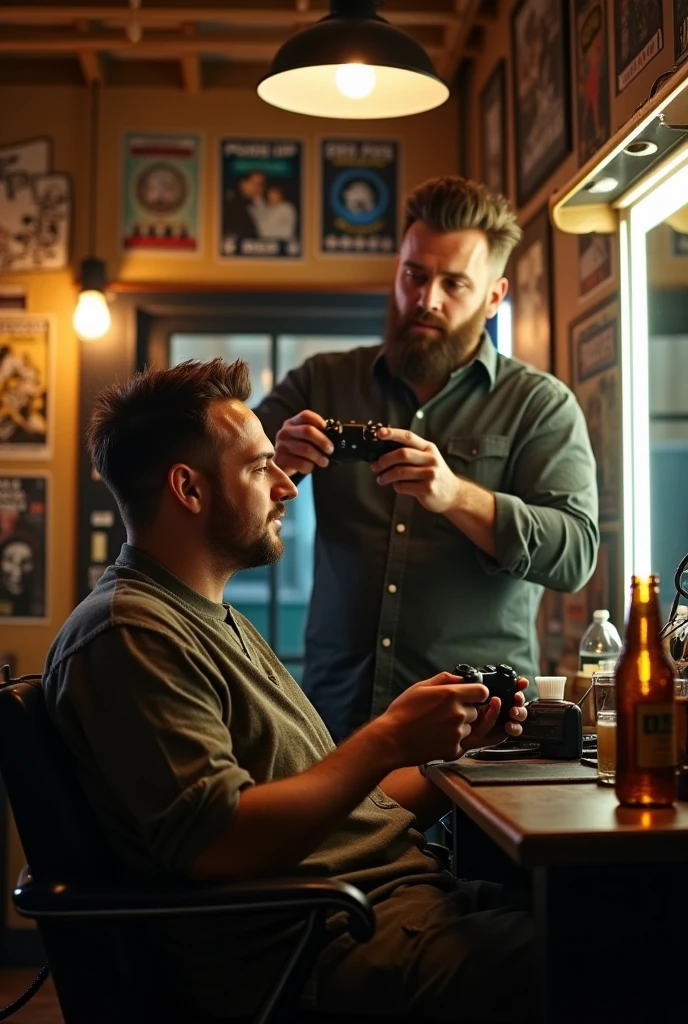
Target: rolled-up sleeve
x,y
546,529
150,740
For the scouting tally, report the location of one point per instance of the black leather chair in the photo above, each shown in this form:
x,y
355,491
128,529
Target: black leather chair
x,y
89,914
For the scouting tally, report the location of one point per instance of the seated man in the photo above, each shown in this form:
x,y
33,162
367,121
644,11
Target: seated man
x,y
202,758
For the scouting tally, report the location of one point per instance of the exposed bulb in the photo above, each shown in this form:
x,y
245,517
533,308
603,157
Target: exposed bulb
x,y
355,81
91,318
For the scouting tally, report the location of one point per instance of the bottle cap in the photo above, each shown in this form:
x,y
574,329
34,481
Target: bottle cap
x,y
550,687
600,615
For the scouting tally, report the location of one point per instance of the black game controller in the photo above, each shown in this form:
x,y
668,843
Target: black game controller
x,y
357,442
501,681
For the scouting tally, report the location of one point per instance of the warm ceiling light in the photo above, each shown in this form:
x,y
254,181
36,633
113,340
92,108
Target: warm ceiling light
x,y
91,318
354,64
603,185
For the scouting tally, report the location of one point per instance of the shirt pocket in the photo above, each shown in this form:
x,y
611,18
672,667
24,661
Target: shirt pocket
x,y
481,459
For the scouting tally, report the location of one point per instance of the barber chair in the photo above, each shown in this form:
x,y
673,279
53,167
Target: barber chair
x,y
89,914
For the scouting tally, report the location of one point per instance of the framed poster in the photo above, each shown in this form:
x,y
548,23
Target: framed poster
x,y
261,199
493,130
680,29
596,378
359,196
35,209
23,543
160,203
679,243
638,37
542,117
595,263
592,74
531,282
25,385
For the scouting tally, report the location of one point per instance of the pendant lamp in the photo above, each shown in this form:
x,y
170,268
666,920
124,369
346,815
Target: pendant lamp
x,y
354,64
91,318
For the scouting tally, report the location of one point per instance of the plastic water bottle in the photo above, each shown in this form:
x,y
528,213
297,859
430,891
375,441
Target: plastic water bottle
x,y
600,645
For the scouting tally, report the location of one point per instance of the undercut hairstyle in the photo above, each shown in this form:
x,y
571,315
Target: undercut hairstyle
x,y
452,203
137,430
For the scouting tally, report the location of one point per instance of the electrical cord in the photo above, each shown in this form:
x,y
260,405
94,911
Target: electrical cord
x,y
670,627
11,1008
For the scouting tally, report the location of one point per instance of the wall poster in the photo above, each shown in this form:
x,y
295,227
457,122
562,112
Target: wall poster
x,y
261,199
23,542
530,274
596,377
639,36
680,29
160,207
595,263
359,196
35,209
592,67
25,385
493,130
542,117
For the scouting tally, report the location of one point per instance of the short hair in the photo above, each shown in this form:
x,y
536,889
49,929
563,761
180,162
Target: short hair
x,y
137,430
453,203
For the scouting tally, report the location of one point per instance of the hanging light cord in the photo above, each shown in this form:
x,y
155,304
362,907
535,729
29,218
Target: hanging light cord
x,y
93,168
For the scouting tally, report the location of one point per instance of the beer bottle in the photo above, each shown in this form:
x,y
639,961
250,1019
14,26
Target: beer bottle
x,y
645,723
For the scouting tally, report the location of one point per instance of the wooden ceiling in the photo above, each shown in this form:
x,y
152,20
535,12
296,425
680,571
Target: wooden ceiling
x,y
216,44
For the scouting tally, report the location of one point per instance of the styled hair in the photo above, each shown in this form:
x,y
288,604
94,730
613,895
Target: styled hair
x,y
137,430
453,203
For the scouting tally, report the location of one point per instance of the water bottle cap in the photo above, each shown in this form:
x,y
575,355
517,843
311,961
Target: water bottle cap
x,y
550,687
600,615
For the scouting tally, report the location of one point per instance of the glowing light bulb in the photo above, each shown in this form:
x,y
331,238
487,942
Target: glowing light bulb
x,y
91,318
355,81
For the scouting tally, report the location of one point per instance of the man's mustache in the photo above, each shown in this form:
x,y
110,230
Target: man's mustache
x,y
278,511
424,316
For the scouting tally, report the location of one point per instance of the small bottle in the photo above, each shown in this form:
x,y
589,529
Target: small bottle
x,y
600,643
645,706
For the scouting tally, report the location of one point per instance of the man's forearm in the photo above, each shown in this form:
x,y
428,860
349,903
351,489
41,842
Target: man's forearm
x,y
475,513
418,795
277,824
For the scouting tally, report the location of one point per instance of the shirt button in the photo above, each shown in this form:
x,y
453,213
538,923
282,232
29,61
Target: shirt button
x,y
392,588
386,642
474,451
420,414
400,528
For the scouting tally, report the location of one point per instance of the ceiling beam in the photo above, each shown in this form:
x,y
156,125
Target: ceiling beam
x,y
89,62
419,12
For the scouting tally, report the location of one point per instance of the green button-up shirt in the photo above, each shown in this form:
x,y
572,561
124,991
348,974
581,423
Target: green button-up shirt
x,y
399,593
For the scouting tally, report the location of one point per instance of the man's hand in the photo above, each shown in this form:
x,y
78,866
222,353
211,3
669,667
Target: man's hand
x,y
417,469
483,730
300,444
432,719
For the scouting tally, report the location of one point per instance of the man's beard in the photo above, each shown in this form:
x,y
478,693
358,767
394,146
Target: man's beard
x,y
242,544
425,357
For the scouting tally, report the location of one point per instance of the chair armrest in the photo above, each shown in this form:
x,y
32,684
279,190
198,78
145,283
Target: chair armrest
x,y
90,899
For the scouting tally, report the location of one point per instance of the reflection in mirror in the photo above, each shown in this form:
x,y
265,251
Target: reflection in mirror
x,y
667,272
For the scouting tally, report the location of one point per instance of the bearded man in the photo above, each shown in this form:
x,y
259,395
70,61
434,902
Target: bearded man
x,y
438,552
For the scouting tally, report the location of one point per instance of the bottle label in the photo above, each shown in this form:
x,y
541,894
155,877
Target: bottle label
x,y
655,729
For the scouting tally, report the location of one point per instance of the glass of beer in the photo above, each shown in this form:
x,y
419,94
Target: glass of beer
x,y
604,690
681,692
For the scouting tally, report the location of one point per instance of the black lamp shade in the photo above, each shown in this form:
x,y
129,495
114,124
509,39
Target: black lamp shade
x,y
302,77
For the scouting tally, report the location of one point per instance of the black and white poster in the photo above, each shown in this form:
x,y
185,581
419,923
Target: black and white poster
x,y
639,37
359,197
35,209
542,115
261,199
23,562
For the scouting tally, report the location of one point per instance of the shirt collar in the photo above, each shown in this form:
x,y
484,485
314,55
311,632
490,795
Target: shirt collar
x,y
486,356
133,558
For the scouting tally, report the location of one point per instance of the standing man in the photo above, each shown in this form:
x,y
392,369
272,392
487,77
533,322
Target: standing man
x,y
439,551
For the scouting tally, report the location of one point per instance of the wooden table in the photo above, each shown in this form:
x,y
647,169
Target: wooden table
x,y
609,892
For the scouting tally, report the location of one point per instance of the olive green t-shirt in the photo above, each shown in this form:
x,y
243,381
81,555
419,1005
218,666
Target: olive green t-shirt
x,y
171,705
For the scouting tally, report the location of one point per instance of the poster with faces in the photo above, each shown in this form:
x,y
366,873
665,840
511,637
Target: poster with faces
x,y
23,542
